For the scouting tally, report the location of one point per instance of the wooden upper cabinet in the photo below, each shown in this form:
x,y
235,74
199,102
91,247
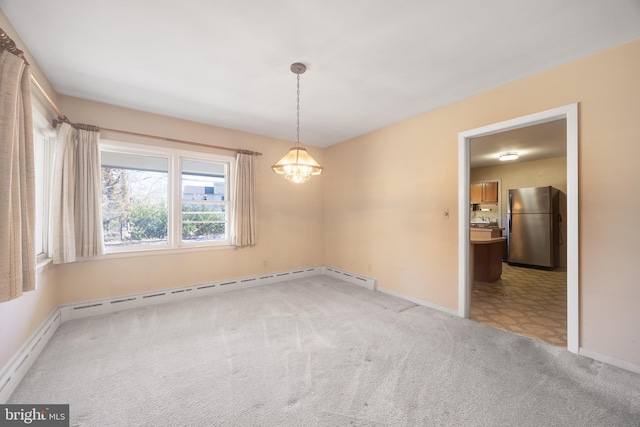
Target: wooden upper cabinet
x,y
484,192
490,192
475,192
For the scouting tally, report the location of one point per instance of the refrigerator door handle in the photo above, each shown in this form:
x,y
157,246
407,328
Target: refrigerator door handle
x,y
510,211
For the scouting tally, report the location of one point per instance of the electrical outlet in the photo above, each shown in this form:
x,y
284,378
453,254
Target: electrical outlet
x,y
445,214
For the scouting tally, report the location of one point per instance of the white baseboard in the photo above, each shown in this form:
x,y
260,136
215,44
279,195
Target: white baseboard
x,y
419,301
115,304
19,365
354,279
609,360
629,366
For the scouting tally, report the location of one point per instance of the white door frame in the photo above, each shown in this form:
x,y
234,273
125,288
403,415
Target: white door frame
x,y
570,113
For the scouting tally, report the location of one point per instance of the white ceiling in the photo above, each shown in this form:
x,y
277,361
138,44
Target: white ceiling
x,y
370,62
536,142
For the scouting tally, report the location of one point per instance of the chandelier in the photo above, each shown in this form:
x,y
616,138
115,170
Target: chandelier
x,y
297,165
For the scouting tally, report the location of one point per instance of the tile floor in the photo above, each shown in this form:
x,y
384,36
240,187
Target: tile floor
x,y
525,301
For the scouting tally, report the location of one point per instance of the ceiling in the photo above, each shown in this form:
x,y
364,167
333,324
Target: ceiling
x,y
536,142
370,63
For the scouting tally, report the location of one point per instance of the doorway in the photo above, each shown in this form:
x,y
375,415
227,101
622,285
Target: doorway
x,y
527,301
569,113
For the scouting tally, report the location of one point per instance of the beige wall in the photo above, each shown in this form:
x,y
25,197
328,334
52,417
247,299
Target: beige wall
x,y
538,173
384,194
22,316
377,209
19,318
289,226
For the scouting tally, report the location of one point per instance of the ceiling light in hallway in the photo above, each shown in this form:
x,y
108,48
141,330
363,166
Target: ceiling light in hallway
x,y
508,156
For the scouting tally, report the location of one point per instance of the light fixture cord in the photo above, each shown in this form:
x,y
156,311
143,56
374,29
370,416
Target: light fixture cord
x,y
298,105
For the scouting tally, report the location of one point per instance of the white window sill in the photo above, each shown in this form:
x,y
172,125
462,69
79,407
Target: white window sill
x,y
43,264
159,251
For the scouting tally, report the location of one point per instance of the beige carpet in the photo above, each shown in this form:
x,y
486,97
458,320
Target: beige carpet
x,y
317,352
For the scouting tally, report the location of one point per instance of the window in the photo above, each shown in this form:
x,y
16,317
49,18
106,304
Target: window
x,y
42,167
135,199
163,199
204,201
43,146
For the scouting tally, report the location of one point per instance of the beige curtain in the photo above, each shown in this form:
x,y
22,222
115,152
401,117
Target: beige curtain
x,y
17,180
76,210
244,201
88,197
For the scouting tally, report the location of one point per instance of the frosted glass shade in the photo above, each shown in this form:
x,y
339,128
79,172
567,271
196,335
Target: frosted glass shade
x,y
297,165
508,156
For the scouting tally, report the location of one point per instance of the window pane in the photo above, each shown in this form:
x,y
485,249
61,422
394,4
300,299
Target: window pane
x,y
134,199
134,161
41,168
203,231
196,208
203,180
203,188
203,221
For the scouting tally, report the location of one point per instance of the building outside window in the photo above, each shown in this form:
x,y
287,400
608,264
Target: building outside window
x,y
204,205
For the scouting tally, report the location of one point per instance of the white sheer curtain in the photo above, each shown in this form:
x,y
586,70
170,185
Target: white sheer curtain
x,y
17,179
88,212
244,201
76,209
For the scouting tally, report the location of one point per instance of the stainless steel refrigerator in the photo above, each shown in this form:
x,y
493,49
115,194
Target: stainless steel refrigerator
x,y
533,227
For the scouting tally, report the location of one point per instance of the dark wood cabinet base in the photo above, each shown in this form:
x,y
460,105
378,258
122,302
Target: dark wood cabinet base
x,y
487,261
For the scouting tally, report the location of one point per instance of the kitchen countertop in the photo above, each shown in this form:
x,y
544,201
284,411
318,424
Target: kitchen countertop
x,y
488,241
486,234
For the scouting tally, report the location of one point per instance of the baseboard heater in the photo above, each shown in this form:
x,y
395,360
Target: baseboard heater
x,y
111,305
354,279
18,366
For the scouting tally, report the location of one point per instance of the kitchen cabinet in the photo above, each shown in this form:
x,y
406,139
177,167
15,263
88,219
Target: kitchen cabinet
x,y
484,192
486,256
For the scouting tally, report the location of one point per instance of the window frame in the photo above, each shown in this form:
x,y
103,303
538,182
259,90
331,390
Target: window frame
x,y
174,196
226,203
43,129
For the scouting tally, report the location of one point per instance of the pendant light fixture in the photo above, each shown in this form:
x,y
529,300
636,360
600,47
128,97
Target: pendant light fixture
x,y
297,165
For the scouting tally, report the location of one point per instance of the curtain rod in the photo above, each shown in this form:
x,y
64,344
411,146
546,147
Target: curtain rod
x,y
6,43
164,138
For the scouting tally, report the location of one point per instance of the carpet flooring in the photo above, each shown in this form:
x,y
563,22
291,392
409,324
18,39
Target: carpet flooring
x,y
317,352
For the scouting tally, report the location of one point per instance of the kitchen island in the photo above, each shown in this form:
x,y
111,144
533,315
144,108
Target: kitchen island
x,y
486,253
